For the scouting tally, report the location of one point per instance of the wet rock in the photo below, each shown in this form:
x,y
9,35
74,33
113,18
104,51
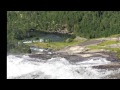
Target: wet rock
x,y
41,56
74,58
115,76
111,66
33,75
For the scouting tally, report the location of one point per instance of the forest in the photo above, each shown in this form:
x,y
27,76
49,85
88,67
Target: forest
x,y
88,24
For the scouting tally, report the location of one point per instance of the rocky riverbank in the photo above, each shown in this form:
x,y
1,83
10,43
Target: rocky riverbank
x,y
84,62
78,52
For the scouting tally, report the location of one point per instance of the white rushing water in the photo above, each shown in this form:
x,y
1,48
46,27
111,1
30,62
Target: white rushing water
x,y
56,68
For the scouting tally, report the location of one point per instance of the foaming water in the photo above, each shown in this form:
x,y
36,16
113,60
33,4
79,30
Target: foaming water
x,y
94,61
57,68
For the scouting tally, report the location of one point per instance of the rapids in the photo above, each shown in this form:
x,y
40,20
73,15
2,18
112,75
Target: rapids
x,y
22,67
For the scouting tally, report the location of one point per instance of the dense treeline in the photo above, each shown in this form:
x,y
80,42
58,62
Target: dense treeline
x,y
88,24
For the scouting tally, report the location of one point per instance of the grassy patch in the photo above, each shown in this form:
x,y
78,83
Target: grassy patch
x,y
95,47
116,50
116,35
113,49
54,45
108,43
103,45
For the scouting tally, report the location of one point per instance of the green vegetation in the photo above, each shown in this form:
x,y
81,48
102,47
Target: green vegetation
x,y
104,46
54,45
112,49
96,47
88,24
23,25
116,35
108,43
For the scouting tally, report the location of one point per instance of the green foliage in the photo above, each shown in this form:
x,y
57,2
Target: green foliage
x,y
95,47
54,45
88,24
108,43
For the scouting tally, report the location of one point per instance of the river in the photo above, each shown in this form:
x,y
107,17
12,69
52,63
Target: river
x,y
25,67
